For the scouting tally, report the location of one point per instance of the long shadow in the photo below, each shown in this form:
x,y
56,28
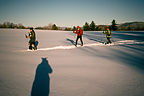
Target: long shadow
x,y
134,47
70,41
41,84
137,33
133,60
132,56
95,38
139,36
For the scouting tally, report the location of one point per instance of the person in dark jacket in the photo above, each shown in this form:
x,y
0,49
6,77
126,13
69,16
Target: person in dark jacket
x,y
32,40
108,35
79,33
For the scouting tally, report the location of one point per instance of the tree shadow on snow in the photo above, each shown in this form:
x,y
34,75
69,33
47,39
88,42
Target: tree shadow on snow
x,y
41,84
132,56
95,38
134,60
129,36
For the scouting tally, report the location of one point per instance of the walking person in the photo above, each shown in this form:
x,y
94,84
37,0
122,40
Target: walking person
x,y
32,41
108,35
79,33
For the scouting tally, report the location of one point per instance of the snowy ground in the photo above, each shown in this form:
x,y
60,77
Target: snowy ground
x,y
92,70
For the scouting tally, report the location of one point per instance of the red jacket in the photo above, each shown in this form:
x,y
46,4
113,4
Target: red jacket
x,y
79,33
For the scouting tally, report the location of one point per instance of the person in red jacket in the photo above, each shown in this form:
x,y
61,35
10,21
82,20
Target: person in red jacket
x,y
79,33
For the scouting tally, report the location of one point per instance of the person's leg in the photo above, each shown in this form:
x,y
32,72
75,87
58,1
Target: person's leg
x,y
30,45
109,40
77,40
81,40
34,47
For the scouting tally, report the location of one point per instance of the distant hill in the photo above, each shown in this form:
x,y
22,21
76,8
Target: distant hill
x,y
131,26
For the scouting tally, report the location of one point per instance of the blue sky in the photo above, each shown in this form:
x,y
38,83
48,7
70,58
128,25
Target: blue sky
x,y
70,12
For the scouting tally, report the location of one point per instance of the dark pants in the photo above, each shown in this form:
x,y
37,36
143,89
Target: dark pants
x,y
80,40
108,40
32,45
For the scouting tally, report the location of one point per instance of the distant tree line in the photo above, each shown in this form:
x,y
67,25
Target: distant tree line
x,y
54,27
86,27
49,27
12,25
132,26
93,27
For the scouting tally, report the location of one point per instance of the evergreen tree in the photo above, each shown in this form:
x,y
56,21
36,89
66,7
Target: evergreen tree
x,y
92,26
113,26
129,28
86,27
54,27
98,28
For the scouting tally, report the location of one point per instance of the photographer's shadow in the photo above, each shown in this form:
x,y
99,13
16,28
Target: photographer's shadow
x,y
41,84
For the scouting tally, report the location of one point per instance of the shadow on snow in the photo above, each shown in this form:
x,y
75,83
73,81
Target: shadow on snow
x,y
41,84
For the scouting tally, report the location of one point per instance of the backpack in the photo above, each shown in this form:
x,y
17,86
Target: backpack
x,y
79,32
109,33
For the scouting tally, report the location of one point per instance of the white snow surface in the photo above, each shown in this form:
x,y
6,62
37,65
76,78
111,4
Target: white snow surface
x,y
94,69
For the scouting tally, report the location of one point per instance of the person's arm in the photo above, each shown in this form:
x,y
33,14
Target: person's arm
x,y
105,32
76,32
81,32
27,36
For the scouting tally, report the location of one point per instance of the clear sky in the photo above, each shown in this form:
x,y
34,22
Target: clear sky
x,y
70,12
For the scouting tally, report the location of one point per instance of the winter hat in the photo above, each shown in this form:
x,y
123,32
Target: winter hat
x,y
78,27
